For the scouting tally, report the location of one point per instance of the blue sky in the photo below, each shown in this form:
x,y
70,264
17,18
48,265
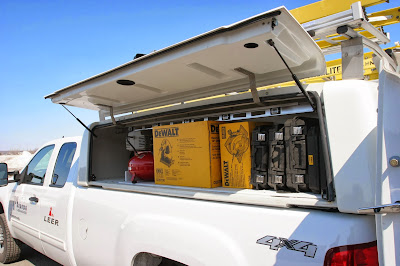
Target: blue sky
x,y
48,45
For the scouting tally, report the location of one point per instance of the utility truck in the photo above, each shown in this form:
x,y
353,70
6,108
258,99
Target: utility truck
x,y
325,173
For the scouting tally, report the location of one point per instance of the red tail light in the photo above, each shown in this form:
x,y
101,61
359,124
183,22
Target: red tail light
x,y
365,254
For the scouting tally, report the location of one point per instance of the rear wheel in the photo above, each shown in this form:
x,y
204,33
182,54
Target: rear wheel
x,y
9,249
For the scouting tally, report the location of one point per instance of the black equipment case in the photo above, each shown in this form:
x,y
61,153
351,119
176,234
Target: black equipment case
x,y
303,155
260,153
276,160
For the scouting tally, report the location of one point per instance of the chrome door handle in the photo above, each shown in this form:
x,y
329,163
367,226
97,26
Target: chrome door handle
x,y
388,208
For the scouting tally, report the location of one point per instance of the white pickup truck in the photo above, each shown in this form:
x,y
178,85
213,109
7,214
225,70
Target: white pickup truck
x,y
73,204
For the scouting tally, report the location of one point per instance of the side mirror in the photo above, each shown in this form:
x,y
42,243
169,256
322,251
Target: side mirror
x,y
3,174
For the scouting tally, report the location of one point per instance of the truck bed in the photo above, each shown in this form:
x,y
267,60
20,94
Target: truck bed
x,y
243,196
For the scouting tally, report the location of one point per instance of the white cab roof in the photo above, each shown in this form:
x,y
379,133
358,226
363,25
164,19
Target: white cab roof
x,y
203,66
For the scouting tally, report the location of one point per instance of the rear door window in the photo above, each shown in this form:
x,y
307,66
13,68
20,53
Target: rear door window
x,y
63,164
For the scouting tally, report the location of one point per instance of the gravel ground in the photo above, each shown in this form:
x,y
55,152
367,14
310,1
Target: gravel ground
x,y
30,257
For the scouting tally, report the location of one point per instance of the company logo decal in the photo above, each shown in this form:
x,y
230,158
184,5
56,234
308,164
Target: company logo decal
x,y
50,219
275,243
15,205
166,132
214,129
226,173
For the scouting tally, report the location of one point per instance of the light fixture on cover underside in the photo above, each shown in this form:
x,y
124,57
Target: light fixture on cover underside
x,y
250,45
126,82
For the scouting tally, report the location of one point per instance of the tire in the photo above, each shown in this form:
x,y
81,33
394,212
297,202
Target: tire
x,y
9,249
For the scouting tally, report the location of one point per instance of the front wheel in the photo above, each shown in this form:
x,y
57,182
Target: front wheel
x,y
9,249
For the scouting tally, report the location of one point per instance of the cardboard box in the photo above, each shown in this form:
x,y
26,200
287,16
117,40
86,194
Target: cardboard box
x,y
235,139
187,154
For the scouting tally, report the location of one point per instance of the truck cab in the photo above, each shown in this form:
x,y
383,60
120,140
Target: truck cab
x,y
85,211
38,203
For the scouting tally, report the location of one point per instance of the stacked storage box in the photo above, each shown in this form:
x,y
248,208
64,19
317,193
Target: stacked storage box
x,y
288,158
187,154
235,141
260,155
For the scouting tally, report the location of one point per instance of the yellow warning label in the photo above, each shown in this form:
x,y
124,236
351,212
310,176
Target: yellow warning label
x,y
310,159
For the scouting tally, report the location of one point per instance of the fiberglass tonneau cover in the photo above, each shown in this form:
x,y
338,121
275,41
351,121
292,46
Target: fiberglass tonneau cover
x,y
203,66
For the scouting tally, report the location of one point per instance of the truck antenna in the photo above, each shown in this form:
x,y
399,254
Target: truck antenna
x,y
79,120
294,77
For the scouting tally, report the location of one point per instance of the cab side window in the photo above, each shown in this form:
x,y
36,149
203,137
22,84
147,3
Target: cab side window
x,y
36,169
63,164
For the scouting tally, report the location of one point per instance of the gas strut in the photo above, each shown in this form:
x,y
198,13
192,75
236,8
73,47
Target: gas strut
x,y
294,77
79,121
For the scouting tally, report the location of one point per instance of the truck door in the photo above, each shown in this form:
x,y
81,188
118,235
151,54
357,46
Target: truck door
x,y
26,199
388,169
55,205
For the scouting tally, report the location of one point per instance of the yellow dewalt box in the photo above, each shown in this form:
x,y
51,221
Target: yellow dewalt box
x,y
235,139
187,154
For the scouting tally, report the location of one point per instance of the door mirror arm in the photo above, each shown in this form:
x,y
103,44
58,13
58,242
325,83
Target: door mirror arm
x,y
18,177
15,174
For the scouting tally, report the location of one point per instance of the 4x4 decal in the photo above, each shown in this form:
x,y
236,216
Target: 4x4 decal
x,y
275,243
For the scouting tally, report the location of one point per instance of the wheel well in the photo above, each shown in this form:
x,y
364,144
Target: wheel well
x,y
149,259
1,208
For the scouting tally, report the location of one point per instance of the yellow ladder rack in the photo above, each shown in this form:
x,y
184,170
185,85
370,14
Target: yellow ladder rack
x,y
323,18
326,8
334,72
